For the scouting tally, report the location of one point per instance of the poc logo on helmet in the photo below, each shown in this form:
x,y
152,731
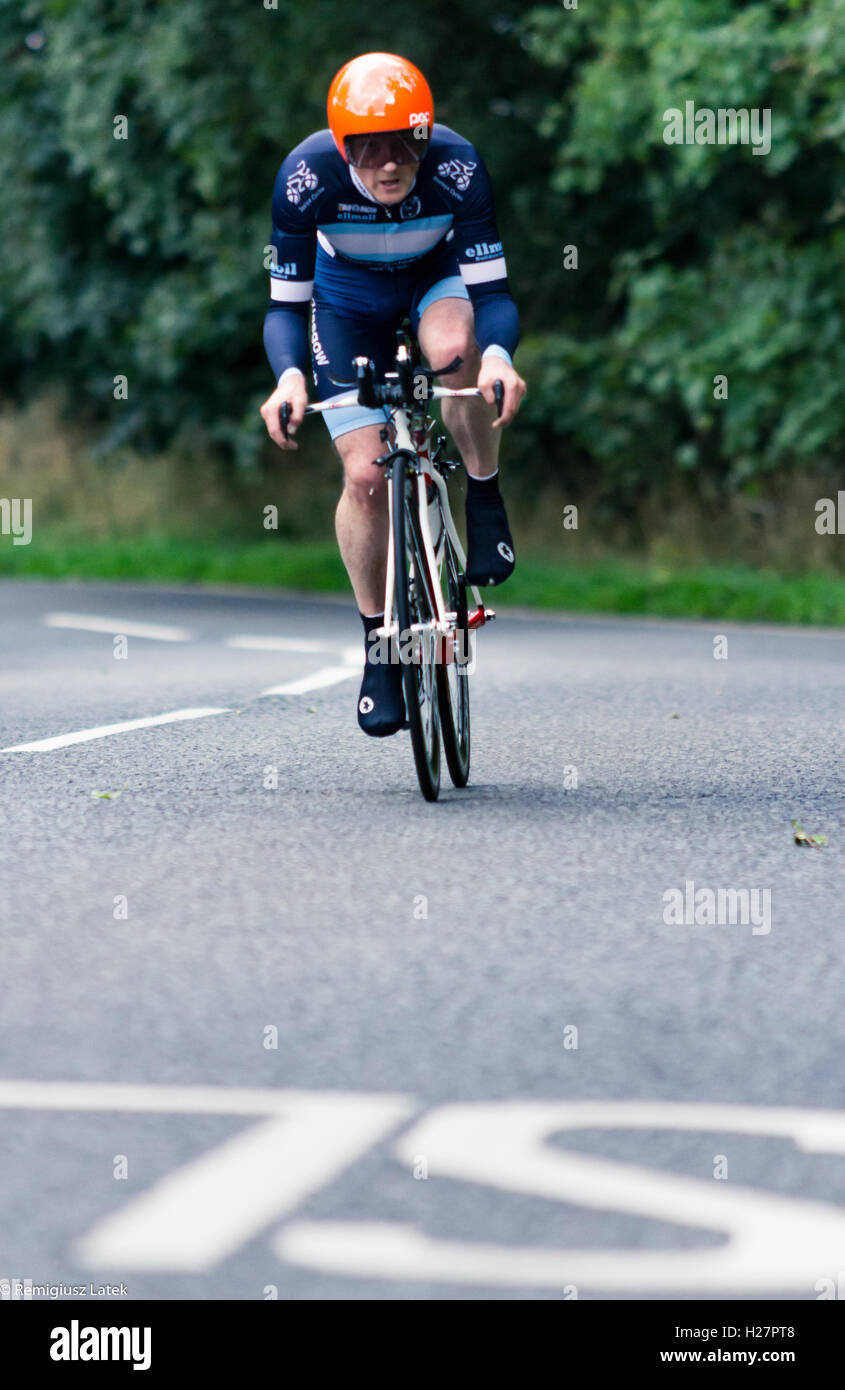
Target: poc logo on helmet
x,y
419,118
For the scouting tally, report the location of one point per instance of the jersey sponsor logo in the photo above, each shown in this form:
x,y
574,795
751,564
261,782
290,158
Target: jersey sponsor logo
x,y
284,271
301,179
365,704
316,346
348,212
483,250
505,550
410,208
458,170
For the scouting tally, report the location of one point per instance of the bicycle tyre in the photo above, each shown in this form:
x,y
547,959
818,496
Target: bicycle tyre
x,y
453,678
413,605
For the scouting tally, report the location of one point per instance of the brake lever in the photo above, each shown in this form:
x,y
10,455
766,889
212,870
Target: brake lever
x,y
284,418
499,394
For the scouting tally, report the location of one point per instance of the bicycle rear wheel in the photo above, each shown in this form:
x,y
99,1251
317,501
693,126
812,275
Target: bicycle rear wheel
x,y
416,614
453,672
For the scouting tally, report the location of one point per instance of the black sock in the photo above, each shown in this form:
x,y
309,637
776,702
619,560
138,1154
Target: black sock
x,y
381,701
483,489
371,622
490,558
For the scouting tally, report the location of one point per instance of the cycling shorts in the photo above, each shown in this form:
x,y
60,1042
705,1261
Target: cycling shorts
x,y
356,312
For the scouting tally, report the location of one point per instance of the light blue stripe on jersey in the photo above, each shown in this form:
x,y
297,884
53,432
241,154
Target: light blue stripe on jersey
x,y
398,241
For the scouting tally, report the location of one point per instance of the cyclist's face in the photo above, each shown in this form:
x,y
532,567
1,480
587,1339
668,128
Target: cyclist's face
x,y
386,164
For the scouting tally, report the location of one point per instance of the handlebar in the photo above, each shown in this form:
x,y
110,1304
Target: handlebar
x,y
402,391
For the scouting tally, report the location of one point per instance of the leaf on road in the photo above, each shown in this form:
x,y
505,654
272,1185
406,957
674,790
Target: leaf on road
x,y
107,796
801,837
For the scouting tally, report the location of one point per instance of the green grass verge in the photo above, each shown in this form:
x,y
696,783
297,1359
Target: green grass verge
x,y
696,591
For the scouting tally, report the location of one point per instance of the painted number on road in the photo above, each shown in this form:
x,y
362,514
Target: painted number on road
x,y
300,1142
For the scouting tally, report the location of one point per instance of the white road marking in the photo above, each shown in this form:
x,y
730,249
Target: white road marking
x,y
774,1243
156,632
43,745
208,1208
139,1098
205,1210
327,675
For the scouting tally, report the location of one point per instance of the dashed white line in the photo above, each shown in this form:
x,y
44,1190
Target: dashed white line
x,y
318,680
85,622
44,745
328,675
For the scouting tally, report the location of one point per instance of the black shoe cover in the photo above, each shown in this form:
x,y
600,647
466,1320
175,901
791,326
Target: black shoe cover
x,y
490,557
381,702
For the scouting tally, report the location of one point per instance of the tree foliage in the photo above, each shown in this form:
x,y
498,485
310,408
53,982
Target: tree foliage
x,y
144,256
697,260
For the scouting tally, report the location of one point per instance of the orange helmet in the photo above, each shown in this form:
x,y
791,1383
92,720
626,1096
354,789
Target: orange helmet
x,y
378,92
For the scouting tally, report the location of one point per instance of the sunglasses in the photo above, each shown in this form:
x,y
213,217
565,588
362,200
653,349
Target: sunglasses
x,y
391,147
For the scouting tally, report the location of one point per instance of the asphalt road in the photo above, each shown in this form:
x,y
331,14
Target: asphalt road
x,y
274,1026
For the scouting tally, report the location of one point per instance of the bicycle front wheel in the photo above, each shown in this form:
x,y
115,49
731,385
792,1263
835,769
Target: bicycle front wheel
x,y
416,615
453,672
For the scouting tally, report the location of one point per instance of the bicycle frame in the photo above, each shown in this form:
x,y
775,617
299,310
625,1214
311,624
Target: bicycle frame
x,y
412,441
416,448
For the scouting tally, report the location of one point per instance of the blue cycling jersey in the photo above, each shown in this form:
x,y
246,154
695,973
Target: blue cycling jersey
x,y
320,201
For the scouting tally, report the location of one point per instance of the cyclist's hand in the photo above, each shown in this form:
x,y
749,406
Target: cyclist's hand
x,y
292,389
497,369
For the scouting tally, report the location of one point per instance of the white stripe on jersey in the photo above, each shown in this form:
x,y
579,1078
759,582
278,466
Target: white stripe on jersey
x,y
291,291
385,243
485,270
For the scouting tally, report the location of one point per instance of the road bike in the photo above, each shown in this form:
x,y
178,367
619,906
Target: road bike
x,y
429,626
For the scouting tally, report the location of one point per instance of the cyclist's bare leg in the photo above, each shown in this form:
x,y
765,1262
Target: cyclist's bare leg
x,y
447,330
361,521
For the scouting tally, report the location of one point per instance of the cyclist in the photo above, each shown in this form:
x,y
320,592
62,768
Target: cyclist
x,y
386,215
